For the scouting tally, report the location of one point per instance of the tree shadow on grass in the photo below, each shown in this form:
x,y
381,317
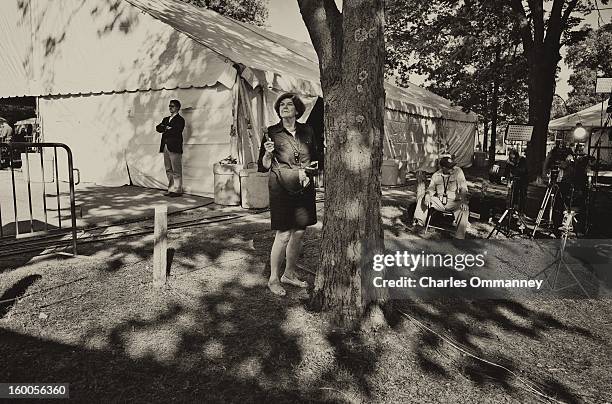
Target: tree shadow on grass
x,y
469,325
213,334
10,296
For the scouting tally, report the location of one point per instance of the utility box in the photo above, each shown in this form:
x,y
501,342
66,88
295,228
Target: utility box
x,y
254,189
227,184
480,159
389,172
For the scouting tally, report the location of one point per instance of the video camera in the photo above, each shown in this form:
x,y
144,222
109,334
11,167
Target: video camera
x,y
553,175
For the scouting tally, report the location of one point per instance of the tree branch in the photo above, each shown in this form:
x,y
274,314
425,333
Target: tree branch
x,y
521,15
557,23
568,11
537,16
324,23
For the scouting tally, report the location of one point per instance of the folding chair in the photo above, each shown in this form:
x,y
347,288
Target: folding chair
x,y
430,214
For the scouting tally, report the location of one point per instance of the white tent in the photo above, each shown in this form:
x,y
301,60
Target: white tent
x,y
103,72
591,117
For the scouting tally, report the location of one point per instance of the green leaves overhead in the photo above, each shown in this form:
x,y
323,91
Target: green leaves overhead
x,y
589,59
252,11
453,43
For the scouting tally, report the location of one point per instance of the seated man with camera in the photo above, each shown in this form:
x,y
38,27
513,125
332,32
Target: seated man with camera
x,y
447,192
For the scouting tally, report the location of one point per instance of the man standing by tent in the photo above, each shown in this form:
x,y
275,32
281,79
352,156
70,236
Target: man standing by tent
x,y
171,128
6,136
6,132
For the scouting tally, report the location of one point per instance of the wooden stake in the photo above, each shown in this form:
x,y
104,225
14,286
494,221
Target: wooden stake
x,y
160,249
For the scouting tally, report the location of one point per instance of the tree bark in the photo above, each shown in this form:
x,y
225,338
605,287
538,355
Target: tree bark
x,y
541,44
351,54
485,140
541,92
494,108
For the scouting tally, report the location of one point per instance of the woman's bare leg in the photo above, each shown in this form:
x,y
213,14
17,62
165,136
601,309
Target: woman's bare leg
x,y
277,255
294,247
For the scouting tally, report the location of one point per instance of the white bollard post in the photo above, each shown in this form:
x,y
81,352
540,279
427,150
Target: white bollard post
x,y
160,249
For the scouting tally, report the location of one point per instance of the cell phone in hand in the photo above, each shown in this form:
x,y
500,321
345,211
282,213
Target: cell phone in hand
x,y
313,166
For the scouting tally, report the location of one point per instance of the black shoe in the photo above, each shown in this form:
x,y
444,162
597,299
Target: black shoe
x,y
168,194
174,194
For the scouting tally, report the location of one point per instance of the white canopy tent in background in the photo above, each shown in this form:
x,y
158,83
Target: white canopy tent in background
x,y
104,71
592,119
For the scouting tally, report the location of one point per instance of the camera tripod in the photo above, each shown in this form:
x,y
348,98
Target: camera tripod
x,y
566,228
550,197
508,214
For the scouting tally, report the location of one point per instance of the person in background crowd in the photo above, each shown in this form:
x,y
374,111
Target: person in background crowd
x,y
6,132
516,173
558,156
6,136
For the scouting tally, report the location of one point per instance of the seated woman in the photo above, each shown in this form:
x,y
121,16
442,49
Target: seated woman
x,y
447,192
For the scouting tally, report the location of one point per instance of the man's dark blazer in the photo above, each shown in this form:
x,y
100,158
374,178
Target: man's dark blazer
x,y
173,137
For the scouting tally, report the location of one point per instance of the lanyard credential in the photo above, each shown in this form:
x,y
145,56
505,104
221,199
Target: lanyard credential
x,y
445,185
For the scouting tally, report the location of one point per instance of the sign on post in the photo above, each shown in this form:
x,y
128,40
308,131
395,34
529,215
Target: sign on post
x,y
520,133
603,85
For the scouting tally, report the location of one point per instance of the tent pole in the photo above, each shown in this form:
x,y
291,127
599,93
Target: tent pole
x,y
237,137
264,98
248,119
391,150
248,109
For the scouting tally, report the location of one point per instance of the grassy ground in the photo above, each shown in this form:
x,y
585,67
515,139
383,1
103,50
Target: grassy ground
x,y
215,333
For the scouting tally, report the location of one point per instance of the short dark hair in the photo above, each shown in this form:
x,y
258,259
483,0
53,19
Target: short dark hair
x,y
176,102
299,105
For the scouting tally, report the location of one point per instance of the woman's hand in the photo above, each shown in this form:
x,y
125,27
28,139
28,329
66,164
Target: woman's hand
x,y
304,179
312,168
269,146
266,160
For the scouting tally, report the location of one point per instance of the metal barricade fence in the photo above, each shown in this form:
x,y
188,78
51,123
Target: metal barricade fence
x,y
26,147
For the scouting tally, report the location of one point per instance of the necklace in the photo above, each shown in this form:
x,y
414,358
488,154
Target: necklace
x,y
294,145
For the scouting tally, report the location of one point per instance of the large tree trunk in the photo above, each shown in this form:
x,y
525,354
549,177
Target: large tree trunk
x,y
351,58
543,65
541,43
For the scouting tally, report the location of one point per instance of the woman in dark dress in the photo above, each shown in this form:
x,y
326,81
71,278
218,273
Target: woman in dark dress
x,y
289,153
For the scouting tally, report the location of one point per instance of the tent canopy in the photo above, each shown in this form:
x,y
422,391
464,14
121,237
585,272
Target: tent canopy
x,y
278,62
43,42
103,72
591,117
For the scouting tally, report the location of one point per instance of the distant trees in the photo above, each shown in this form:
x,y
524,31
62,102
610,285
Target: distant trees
x,y
589,59
470,51
527,36
252,11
